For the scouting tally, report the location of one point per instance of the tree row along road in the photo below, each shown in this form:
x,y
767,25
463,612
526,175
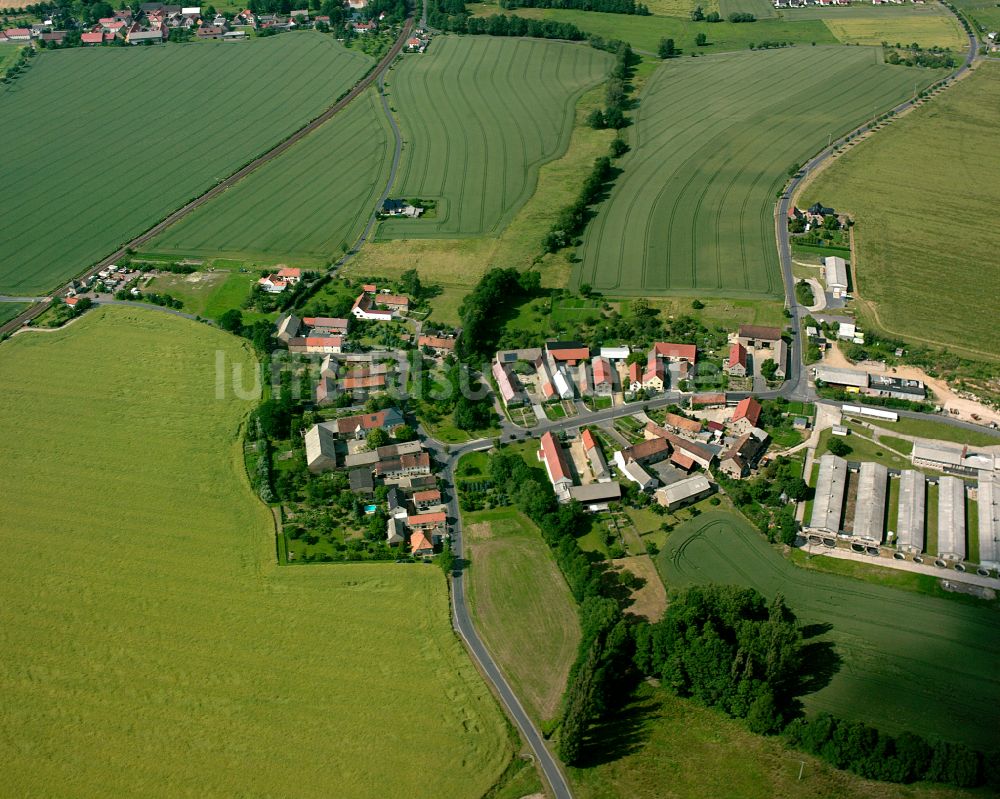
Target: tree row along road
x,y
236,177
797,386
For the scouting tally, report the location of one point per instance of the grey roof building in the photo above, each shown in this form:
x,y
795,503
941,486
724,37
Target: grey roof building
x,y
989,520
910,519
361,481
828,506
321,449
951,518
869,513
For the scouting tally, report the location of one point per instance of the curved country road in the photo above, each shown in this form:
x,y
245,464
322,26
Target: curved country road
x,y
375,74
796,385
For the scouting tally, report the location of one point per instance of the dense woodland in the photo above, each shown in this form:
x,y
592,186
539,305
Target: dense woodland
x,y
607,6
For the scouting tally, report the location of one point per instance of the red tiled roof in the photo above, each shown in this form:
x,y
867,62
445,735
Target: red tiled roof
x,y
92,38
691,425
748,409
287,271
589,442
602,371
635,372
436,342
419,542
553,455
570,354
759,332
708,398
680,459
368,381
646,449
438,517
737,355
323,341
679,352
427,496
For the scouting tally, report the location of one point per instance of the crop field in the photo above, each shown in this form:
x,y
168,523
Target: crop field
x,y
680,8
311,202
152,647
8,52
77,187
916,233
522,606
761,9
644,33
479,116
906,661
693,210
928,25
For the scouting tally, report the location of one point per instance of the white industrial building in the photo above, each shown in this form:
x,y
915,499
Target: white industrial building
x,y
951,518
869,513
910,519
835,272
828,505
988,503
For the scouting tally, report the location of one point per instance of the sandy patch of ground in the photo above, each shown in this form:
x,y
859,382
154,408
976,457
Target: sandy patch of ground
x,y
957,406
480,531
649,601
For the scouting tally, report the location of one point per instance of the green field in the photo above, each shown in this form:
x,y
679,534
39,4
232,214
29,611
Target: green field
x,y
522,606
907,661
671,747
936,221
985,13
211,292
151,645
761,9
644,33
693,210
8,52
138,133
8,310
310,202
928,25
479,116
930,428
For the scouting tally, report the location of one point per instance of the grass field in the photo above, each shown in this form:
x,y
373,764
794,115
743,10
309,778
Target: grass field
x,y
479,116
8,310
151,645
985,13
522,606
761,9
928,25
8,52
210,293
923,219
644,33
930,428
693,210
311,202
97,171
670,747
906,661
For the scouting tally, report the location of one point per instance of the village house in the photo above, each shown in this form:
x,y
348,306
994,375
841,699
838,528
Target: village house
x,y
595,457
442,346
552,456
758,336
424,501
736,364
326,325
420,544
742,455
507,385
566,352
745,416
603,377
403,466
392,207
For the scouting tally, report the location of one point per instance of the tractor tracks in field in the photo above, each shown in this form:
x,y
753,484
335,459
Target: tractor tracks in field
x,y
376,74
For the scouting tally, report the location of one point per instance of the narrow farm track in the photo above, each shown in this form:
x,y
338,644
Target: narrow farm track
x,y
356,91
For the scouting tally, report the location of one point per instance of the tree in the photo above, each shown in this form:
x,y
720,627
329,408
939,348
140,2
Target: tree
x,y
769,369
618,147
232,320
830,222
667,48
446,560
377,437
697,15
405,433
595,119
839,447
701,40
410,283
697,304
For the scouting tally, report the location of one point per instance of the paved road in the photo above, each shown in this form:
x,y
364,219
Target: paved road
x,y
358,88
796,385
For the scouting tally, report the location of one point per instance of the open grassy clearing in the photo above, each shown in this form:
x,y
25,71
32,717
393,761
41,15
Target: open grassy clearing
x,y
644,33
522,606
479,115
680,8
152,646
693,210
311,202
928,25
9,310
928,428
663,746
917,233
898,660
211,292
8,52
97,171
